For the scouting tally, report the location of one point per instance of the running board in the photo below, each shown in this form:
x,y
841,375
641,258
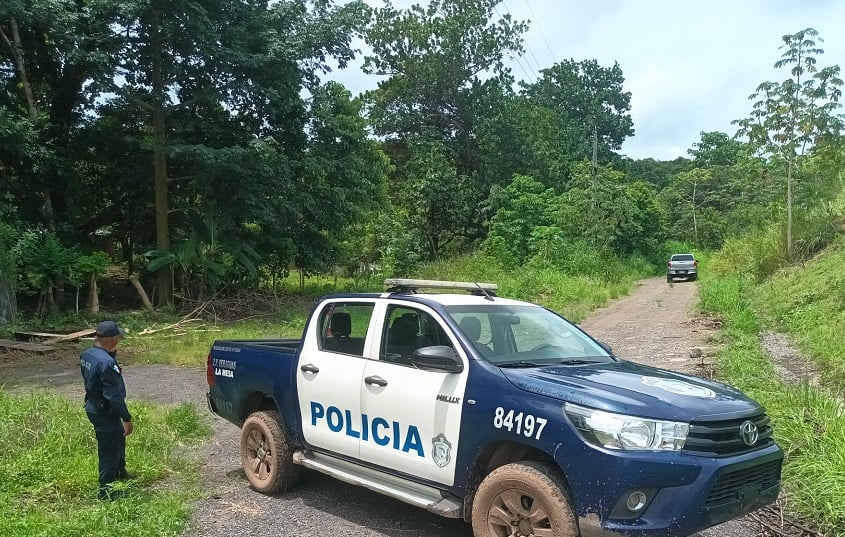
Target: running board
x,y
428,498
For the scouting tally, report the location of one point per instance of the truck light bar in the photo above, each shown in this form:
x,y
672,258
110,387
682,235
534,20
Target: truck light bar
x,y
404,285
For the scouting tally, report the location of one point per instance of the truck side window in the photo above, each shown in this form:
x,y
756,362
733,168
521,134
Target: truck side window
x,y
405,331
343,327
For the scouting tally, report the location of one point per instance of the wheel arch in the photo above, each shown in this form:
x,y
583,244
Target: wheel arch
x,y
500,454
256,402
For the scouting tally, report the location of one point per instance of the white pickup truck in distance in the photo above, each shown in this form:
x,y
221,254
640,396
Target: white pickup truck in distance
x,y
682,266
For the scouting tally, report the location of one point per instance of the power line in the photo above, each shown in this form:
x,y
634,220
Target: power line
x,y
542,34
527,46
528,75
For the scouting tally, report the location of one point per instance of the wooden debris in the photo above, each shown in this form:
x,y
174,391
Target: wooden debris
x,y
25,346
24,335
71,337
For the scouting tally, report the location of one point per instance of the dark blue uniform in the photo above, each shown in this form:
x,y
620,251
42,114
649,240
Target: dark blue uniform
x,y
105,403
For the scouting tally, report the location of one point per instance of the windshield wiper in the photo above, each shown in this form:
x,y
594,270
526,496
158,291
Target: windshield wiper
x,y
518,363
578,361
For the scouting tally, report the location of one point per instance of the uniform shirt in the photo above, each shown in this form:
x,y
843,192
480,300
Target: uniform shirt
x,y
105,392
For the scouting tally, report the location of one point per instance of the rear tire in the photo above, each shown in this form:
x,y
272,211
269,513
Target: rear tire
x,y
668,279
266,455
523,498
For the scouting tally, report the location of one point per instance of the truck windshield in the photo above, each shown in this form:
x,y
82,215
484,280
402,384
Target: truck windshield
x,y
516,336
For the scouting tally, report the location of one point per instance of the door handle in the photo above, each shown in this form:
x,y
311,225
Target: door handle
x,y
375,379
309,368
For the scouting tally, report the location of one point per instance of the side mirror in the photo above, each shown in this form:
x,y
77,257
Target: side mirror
x,y
437,358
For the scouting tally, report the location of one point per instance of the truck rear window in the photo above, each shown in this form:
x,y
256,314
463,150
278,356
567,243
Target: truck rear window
x,y
682,257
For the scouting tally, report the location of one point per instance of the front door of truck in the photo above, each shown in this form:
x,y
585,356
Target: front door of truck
x,y
411,417
329,376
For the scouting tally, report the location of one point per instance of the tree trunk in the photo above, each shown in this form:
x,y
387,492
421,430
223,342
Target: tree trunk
x,y
8,305
789,167
162,210
18,50
32,108
93,305
133,279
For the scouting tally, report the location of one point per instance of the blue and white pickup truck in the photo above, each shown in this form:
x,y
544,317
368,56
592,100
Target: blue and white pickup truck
x,y
496,411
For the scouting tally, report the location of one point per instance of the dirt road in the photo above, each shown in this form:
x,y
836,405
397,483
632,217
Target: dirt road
x,y
655,326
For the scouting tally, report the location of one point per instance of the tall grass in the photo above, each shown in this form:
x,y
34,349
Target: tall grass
x,y
809,423
572,296
49,470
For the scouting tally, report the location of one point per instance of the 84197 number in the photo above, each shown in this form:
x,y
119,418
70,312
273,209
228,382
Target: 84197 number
x,y
519,423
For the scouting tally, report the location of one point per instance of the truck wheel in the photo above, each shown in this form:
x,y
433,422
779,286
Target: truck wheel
x,y
669,279
265,454
523,498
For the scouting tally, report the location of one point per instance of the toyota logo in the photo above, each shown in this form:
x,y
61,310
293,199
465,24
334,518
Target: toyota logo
x,y
748,432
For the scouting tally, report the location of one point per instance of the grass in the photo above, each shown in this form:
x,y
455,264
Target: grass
x,y
49,470
572,296
809,423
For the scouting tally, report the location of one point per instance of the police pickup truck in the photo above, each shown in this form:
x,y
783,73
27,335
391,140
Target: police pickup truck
x,y
496,411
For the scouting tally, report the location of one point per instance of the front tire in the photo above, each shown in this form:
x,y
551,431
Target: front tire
x,y
266,456
523,498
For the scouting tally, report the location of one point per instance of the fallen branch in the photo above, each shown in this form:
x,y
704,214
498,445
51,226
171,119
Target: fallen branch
x,y
175,326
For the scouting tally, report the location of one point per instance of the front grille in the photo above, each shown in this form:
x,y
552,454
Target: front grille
x,y
719,438
730,485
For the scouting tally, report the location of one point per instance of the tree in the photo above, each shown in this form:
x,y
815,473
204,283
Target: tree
x,y
715,149
520,208
444,64
792,116
588,101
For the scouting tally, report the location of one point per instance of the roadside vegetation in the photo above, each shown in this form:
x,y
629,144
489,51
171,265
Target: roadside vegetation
x,y
809,420
269,185
49,470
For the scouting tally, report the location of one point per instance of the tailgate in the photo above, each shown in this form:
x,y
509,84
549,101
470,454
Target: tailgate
x,y
239,370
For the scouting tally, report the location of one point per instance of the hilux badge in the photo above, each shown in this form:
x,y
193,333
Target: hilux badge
x,y
442,452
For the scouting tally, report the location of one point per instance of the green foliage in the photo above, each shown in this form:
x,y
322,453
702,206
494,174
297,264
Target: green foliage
x,y
520,221
44,263
204,257
59,498
791,117
716,149
572,296
94,264
808,421
759,254
586,100
805,300
445,69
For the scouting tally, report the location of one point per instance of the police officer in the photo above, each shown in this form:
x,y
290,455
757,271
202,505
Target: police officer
x,y
105,404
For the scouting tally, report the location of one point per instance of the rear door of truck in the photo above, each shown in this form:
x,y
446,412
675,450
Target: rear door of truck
x,y
330,373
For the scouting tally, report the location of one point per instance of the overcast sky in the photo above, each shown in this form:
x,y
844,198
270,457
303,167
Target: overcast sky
x,y
689,65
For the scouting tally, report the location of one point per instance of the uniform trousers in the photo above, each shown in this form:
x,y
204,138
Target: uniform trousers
x,y
111,449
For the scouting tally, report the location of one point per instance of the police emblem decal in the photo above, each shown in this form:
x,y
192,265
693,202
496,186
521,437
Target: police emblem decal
x,y
442,452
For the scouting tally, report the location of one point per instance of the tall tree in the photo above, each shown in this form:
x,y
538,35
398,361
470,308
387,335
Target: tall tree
x,y
444,64
790,117
715,149
589,102
220,86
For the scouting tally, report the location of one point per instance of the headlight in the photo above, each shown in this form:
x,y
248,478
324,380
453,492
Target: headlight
x,y
618,431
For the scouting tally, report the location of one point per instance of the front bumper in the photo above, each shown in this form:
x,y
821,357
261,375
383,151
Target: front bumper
x,y
686,493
